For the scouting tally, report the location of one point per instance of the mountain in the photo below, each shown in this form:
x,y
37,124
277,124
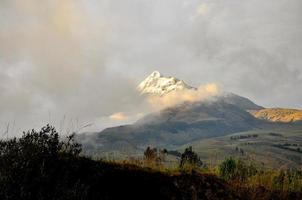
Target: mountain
x,y
173,127
278,114
205,125
158,84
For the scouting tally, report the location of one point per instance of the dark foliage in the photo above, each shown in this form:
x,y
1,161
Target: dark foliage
x,y
41,166
30,167
155,156
150,154
238,137
231,169
189,159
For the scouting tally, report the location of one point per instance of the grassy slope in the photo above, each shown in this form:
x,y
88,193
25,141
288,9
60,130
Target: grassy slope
x,y
263,149
278,114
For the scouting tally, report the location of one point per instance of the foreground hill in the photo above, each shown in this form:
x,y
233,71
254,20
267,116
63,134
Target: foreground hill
x,y
41,166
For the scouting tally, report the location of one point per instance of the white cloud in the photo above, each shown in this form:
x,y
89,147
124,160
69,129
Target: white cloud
x,y
203,92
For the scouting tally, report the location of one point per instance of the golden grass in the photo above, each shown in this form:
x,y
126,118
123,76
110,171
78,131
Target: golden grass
x,y
278,114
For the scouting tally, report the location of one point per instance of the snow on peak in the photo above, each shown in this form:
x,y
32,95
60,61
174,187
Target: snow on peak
x,y
158,84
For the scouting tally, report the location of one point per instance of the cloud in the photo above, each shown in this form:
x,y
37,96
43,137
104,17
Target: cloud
x,y
202,9
84,59
49,37
49,50
118,116
203,92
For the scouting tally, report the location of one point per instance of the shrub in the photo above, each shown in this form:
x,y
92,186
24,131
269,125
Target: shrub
x,y
227,168
153,156
190,160
232,169
150,155
30,162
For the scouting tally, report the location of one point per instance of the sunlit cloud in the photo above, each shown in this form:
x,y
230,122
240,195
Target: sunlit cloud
x,y
202,93
118,116
202,9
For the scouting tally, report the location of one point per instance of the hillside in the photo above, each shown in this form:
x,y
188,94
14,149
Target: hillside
x,y
171,128
46,168
278,114
279,147
241,102
40,165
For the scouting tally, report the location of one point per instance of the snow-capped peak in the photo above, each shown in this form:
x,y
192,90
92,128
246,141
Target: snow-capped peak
x,y
157,84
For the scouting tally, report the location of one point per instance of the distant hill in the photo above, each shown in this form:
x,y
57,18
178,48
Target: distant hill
x,y
278,114
279,146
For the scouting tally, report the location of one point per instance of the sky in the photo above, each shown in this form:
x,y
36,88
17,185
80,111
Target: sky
x,y
76,63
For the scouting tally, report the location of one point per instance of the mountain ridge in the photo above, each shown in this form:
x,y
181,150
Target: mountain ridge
x,y
182,124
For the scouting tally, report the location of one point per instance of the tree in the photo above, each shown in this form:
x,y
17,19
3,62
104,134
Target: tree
x,y
150,155
189,159
154,156
33,156
162,155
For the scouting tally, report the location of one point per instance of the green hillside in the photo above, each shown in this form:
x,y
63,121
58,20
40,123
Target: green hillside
x,y
278,148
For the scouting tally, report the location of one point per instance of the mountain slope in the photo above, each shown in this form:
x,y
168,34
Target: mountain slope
x,y
173,127
278,146
278,114
241,102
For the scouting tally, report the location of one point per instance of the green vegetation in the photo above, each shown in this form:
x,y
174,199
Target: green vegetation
x,y
189,160
272,148
238,137
237,172
40,165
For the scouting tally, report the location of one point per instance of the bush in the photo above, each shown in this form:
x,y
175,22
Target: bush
x,y
288,180
227,169
150,154
29,163
232,169
154,157
190,160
